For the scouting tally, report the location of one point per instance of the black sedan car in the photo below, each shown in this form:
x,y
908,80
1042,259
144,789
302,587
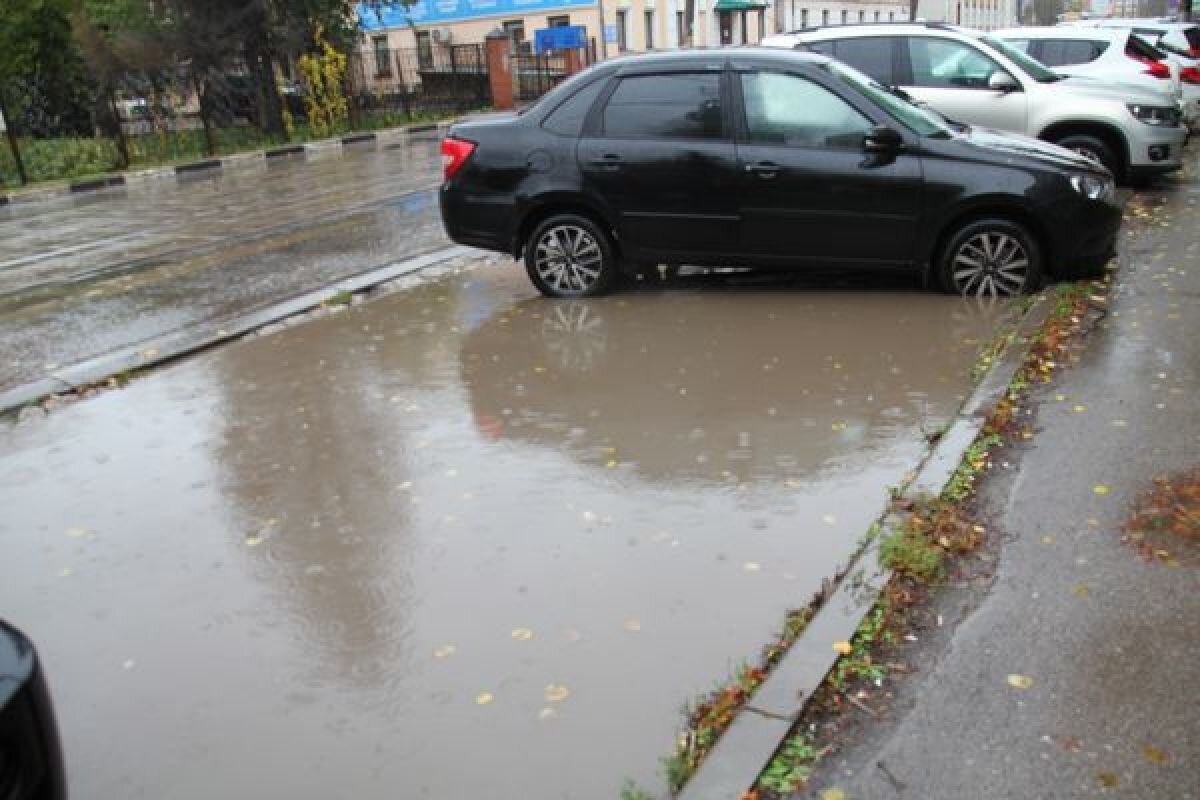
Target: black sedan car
x,y
768,159
30,759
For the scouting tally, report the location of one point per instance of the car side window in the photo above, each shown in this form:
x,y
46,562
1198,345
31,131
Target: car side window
x,y
824,48
684,106
570,115
790,110
869,54
949,64
1062,52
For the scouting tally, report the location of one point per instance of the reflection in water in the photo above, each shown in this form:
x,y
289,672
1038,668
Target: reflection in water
x,y
719,386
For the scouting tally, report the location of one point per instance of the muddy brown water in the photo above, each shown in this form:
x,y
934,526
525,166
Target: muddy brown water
x,y
459,542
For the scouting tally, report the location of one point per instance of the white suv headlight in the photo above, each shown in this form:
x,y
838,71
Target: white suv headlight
x,y
1093,187
1159,116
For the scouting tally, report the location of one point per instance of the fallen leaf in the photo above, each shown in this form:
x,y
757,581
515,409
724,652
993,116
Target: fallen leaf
x,y
555,693
752,566
1100,489
445,651
1020,681
522,634
65,572
76,533
547,713
845,648
253,541
1154,755
483,698
1080,590
833,794
1079,409
1108,779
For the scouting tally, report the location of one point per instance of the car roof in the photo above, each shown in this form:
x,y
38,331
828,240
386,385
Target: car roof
x,y
1063,32
710,58
881,29
1130,22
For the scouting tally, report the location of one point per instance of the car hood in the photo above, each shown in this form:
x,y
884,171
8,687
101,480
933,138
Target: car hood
x,y
1120,92
1013,144
1124,89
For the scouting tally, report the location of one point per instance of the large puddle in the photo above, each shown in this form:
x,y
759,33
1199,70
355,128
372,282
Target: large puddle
x,y
460,542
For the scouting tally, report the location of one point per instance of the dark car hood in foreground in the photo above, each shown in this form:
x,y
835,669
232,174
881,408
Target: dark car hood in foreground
x,y
1013,144
16,662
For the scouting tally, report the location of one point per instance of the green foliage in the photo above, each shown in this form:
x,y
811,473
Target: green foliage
x,y
324,74
631,791
790,766
911,554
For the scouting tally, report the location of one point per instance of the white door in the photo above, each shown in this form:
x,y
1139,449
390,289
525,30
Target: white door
x,y
952,77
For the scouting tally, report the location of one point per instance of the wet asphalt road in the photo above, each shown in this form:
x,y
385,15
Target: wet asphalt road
x,y
88,274
460,541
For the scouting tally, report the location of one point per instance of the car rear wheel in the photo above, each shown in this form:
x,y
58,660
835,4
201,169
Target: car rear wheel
x,y
991,258
570,256
1093,149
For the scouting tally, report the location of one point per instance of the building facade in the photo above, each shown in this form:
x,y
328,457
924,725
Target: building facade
x,y
984,15
628,25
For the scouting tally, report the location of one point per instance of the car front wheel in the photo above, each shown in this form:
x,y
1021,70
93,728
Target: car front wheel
x,y
991,258
570,256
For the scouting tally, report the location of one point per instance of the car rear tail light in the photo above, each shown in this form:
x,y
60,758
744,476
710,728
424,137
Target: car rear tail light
x,y
1156,68
1190,74
455,153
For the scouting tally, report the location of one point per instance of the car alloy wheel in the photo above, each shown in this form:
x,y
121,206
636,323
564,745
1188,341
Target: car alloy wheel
x,y
991,265
569,256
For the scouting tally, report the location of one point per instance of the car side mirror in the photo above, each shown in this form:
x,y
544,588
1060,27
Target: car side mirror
x,y
1003,82
882,139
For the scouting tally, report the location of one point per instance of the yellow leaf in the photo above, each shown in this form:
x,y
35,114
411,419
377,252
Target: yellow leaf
x,y
555,693
833,794
522,634
1154,755
1079,409
253,541
483,698
1020,681
1080,590
845,648
1108,779
1100,489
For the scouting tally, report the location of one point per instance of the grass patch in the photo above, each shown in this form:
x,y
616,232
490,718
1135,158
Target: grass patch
x,y
342,298
789,768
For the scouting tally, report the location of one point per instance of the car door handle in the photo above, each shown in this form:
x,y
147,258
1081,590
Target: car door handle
x,y
609,161
763,169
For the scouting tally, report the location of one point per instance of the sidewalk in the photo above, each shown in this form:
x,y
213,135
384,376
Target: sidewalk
x,y
1109,640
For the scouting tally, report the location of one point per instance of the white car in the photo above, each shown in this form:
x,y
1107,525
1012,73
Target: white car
x,y
1180,41
981,80
1115,56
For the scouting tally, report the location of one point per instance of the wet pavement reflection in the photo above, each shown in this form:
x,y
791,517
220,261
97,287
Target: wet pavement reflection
x,y
459,541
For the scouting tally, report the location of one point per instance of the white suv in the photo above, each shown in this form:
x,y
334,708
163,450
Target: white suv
x,y
975,78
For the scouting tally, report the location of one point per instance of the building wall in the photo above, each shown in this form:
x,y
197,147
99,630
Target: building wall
x,y
982,14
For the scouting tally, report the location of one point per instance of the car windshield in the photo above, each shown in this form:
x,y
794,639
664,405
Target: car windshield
x,y
913,117
1036,69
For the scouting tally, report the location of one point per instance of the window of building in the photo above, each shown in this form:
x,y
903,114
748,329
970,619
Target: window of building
x,y
845,16
825,16
877,16
383,61
891,16
622,35
515,28
649,30
666,106
558,22
804,18
424,50
862,16
680,29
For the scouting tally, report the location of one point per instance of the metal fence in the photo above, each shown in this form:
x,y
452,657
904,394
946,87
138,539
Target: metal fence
x,y
537,74
419,80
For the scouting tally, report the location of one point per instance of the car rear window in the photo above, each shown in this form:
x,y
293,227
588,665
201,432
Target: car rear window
x,y
869,54
1192,35
685,106
1061,52
569,117
1137,47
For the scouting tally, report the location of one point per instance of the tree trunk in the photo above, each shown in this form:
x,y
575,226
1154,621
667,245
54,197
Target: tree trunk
x,y
689,19
210,144
10,127
912,10
262,67
118,132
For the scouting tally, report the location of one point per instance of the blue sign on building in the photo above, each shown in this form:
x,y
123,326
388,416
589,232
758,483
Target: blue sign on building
x,y
564,37
432,12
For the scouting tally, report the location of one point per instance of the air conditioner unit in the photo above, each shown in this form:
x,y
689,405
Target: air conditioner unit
x,y
441,35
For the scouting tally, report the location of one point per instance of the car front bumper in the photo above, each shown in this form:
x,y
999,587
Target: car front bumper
x,y
1157,149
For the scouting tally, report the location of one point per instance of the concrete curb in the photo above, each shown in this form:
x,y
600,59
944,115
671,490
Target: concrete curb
x,y
138,177
201,336
746,747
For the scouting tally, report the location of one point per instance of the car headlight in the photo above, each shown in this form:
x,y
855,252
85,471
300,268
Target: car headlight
x,y
1160,116
1093,187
